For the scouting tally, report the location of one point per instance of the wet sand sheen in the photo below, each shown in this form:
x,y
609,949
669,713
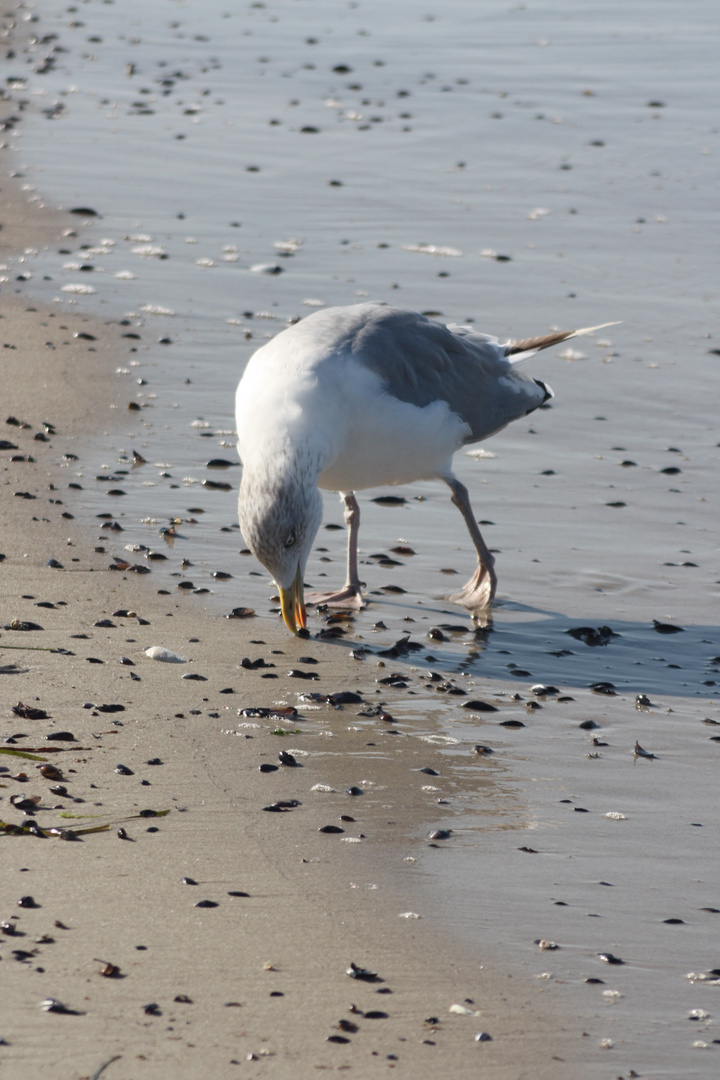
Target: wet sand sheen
x,y
532,815
168,921
217,907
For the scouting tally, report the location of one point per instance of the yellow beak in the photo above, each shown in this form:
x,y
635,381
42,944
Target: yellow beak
x,y
292,602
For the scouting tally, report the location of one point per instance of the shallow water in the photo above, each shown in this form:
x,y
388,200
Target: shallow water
x,y
613,866
582,144
499,154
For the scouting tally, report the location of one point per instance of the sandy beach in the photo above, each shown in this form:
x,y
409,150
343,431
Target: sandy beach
x,y
255,975
407,843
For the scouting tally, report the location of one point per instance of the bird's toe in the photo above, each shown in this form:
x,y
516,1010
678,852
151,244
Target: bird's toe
x,y
479,593
350,597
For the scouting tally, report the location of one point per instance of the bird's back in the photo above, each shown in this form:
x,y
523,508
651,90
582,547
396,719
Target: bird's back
x,y
422,361
419,361
355,358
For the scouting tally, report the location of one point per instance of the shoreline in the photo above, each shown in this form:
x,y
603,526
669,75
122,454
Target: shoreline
x,y
264,979
232,928
137,897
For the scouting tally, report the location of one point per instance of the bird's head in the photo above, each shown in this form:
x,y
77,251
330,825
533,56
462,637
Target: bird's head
x,y
279,519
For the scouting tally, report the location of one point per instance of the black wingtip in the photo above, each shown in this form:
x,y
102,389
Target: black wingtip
x,y
546,389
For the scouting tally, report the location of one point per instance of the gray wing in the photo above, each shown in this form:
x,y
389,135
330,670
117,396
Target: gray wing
x,y
422,361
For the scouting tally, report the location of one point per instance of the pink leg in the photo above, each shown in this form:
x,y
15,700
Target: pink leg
x,y
350,595
480,589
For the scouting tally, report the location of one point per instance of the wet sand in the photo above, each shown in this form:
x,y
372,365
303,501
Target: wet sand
x,y
255,975
262,971
532,855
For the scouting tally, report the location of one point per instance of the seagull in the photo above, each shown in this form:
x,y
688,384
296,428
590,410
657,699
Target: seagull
x,y
361,396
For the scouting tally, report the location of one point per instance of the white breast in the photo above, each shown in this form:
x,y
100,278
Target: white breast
x,y
387,441
331,408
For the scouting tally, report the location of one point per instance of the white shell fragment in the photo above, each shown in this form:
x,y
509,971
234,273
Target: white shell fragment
x,y
156,309
157,652
572,354
149,250
433,249
462,1010
73,287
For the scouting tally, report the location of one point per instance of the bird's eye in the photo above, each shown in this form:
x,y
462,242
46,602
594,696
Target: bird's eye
x,y
290,540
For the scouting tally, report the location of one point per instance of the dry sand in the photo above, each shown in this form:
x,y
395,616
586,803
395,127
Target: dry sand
x,y
258,980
